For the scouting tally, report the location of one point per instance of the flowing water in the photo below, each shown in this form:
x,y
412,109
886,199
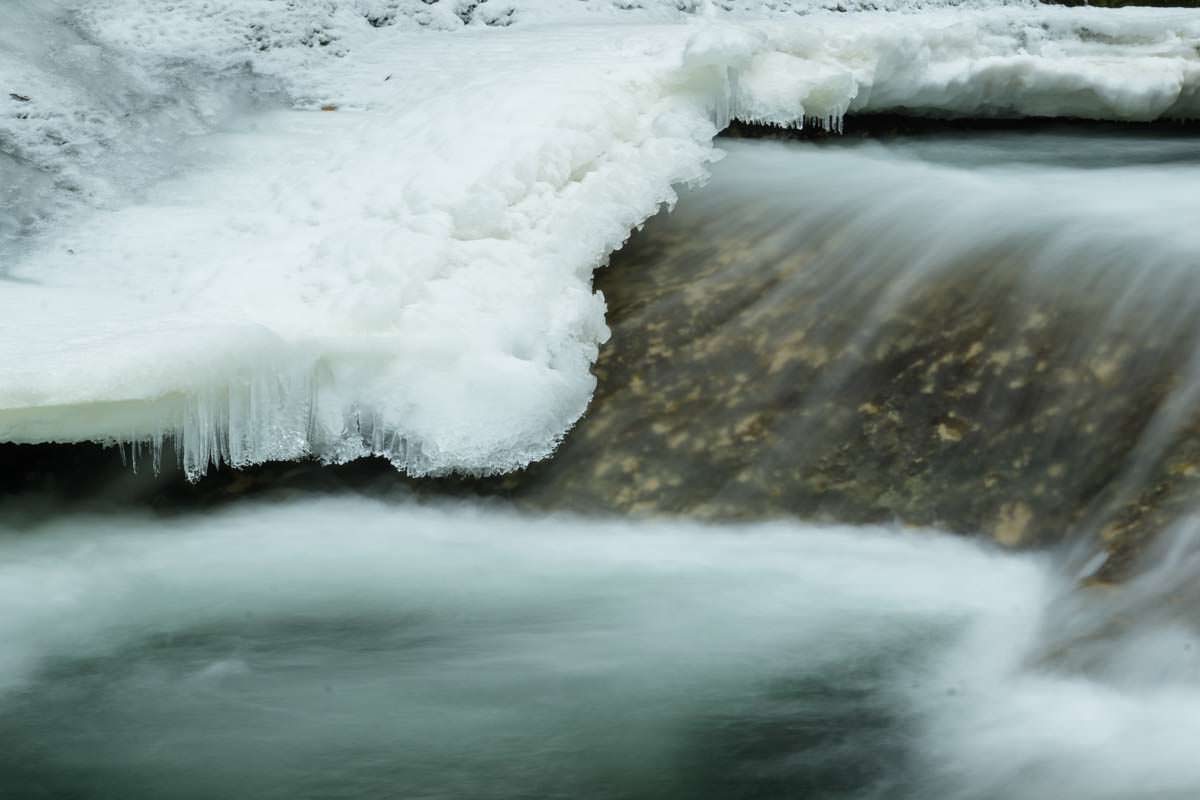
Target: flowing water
x,y
989,333
353,649
338,646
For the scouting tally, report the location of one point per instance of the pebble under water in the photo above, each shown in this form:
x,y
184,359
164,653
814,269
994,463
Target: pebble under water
x,y
337,646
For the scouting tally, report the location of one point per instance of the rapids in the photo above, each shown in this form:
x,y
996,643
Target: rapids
x,y
347,648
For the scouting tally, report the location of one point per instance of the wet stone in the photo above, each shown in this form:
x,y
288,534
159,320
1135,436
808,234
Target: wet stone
x,y
747,379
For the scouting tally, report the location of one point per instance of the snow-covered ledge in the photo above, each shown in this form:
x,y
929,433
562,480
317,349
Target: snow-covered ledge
x,y
407,272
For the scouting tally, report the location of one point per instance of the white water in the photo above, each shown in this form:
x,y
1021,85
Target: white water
x,y
1058,214
351,648
410,275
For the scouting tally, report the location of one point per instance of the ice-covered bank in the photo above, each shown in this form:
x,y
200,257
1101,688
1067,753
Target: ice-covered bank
x,y
394,256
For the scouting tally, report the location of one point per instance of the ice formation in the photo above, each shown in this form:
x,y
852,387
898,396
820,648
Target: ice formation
x,y
335,229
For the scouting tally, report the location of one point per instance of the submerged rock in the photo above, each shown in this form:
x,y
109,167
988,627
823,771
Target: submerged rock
x,y
753,373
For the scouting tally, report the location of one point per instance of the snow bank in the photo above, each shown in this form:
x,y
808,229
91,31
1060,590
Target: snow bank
x,y
410,275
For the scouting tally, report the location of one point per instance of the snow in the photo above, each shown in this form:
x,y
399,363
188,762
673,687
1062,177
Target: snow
x,y
410,275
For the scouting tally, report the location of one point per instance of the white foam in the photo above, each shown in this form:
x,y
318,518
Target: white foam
x,y
83,585
410,275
